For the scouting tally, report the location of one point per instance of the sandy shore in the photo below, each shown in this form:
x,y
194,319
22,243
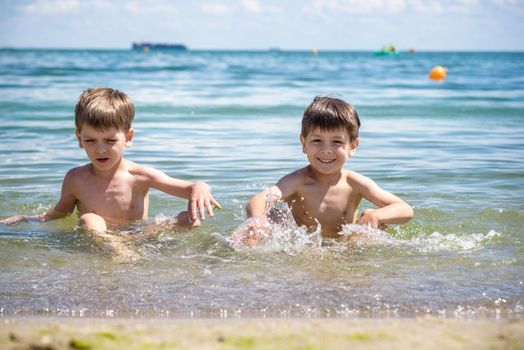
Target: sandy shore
x,y
422,333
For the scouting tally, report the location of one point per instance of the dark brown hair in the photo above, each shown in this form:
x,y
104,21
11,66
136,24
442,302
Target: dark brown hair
x,y
104,108
328,113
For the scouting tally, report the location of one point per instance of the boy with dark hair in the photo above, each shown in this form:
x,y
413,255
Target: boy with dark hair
x,y
323,192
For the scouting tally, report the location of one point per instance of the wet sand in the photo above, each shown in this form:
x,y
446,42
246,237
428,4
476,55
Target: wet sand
x,y
50,333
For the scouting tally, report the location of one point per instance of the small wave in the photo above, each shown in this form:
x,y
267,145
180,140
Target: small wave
x,y
280,233
435,242
284,235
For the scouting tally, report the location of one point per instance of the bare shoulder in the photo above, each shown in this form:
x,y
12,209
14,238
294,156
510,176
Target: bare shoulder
x,y
76,178
295,178
290,183
78,173
140,170
358,181
143,173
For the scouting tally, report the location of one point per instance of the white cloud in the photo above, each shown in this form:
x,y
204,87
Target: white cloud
x,y
132,7
427,7
151,7
355,6
505,2
252,6
52,7
62,7
444,6
216,9
101,4
380,7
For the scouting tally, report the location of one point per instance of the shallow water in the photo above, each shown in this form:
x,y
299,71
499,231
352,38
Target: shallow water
x,y
452,149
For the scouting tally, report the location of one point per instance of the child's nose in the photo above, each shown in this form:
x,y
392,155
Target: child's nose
x,y
326,148
100,148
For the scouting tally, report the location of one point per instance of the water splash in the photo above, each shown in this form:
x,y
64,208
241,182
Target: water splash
x,y
423,243
437,241
279,233
364,235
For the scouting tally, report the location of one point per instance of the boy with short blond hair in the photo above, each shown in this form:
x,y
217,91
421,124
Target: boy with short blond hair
x,y
110,190
323,192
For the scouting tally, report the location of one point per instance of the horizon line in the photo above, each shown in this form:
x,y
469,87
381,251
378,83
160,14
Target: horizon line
x,y
269,49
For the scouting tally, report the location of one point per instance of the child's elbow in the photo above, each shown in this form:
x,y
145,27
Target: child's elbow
x,y
257,205
253,208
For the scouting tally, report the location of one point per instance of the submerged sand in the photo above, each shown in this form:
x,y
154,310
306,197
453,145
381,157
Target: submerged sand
x,y
421,333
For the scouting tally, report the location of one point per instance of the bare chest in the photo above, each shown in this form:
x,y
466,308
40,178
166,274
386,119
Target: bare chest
x,y
331,207
120,200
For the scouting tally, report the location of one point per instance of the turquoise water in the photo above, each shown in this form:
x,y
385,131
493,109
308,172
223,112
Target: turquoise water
x,y
452,149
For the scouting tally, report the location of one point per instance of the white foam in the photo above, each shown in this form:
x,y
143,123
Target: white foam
x,y
279,234
437,241
424,243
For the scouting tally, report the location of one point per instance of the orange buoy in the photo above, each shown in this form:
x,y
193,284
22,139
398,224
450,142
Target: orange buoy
x,y
438,73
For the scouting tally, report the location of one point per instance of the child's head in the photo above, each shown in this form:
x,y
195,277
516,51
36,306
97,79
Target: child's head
x,y
104,108
329,113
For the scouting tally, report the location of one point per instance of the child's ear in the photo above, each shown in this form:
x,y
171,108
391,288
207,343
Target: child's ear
x,y
303,142
129,137
353,147
77,133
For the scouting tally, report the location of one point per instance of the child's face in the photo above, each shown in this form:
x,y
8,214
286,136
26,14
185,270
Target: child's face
x,y
104,147
328,150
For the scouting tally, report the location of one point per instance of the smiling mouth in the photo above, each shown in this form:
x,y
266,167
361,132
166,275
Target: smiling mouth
x,y
326,161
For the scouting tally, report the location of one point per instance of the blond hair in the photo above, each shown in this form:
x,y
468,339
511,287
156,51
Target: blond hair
x,y
104,108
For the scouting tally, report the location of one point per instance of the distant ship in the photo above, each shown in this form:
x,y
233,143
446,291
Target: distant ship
x,y
146,46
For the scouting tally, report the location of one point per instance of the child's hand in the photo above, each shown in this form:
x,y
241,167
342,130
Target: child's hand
x,y
369,217
14,220
250,233
201,199
182,219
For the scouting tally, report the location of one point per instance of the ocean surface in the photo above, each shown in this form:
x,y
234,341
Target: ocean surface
x,y
453,149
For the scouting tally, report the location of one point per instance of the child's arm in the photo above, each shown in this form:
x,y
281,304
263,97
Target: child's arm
x,y
392,209
65,206
257,205
198,193
285,188
251,231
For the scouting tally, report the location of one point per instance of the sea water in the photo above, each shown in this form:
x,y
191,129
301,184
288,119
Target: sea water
x,y
453,149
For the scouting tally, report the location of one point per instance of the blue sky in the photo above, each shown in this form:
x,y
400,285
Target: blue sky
x,y
257,24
